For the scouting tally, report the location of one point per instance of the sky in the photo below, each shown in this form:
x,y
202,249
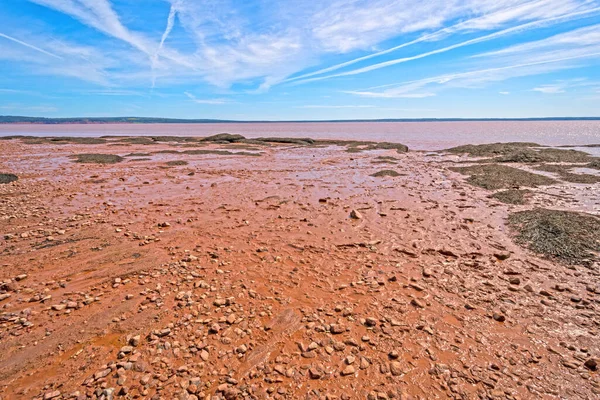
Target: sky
x,y
299,59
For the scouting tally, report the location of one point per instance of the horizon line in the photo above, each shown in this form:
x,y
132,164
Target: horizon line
x,y
18,119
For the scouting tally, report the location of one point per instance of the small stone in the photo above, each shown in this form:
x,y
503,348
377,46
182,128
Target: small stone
x,y
499,317
591,364
51,395
396,368
315,373
349,370
502,256
354,214
135,340
370,321
417,303
102,374
204,355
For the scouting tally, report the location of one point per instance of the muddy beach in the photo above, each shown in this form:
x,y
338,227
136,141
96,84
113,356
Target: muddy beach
x,y
273,268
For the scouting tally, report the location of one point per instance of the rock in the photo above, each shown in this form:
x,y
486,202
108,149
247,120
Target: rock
x,y
499,317
349,370
21,277
135,340
204,355
102,374
591,364
393,355
514,281
396,368
59,307
51,395
214,328
502,255
370,321
4,296
354,214
315,373
336,329
417,303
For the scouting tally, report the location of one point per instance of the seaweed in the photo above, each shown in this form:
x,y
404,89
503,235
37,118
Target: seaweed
x,y
176,163
8,178
385,172
496,176
511,196
564,174
567,236
97,158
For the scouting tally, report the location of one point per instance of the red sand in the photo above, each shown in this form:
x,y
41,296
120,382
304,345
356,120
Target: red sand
x,y
245,277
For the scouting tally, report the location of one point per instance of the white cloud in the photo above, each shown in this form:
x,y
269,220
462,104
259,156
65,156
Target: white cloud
x,y
473,79
559,52
330,106
205,101
550,89
260,44
21,108
504,93
495,18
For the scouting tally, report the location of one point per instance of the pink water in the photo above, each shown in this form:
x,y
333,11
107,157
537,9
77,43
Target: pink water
x,y
417,135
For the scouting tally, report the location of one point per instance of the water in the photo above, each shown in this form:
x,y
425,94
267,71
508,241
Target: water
x,y
417,135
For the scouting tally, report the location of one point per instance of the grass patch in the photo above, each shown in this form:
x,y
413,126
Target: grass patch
x,y
385,172
566,236
8,178
565,175
511,196
97,158
176,163
495,176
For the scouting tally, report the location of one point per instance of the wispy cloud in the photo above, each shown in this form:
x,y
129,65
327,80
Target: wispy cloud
x,y
334,106
205,101
474,78
485,38
562,86
22,108
485,22
22,43
504,93
558,52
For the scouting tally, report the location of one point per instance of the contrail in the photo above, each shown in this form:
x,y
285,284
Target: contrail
x,y
491,36
451,77
168,29
30,46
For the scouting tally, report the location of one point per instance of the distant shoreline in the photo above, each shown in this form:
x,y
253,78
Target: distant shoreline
x,y
22,120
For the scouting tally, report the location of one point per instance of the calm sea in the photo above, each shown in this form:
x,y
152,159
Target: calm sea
x,y
417,135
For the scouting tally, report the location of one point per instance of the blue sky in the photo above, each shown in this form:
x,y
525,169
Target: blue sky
x,y
298,59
